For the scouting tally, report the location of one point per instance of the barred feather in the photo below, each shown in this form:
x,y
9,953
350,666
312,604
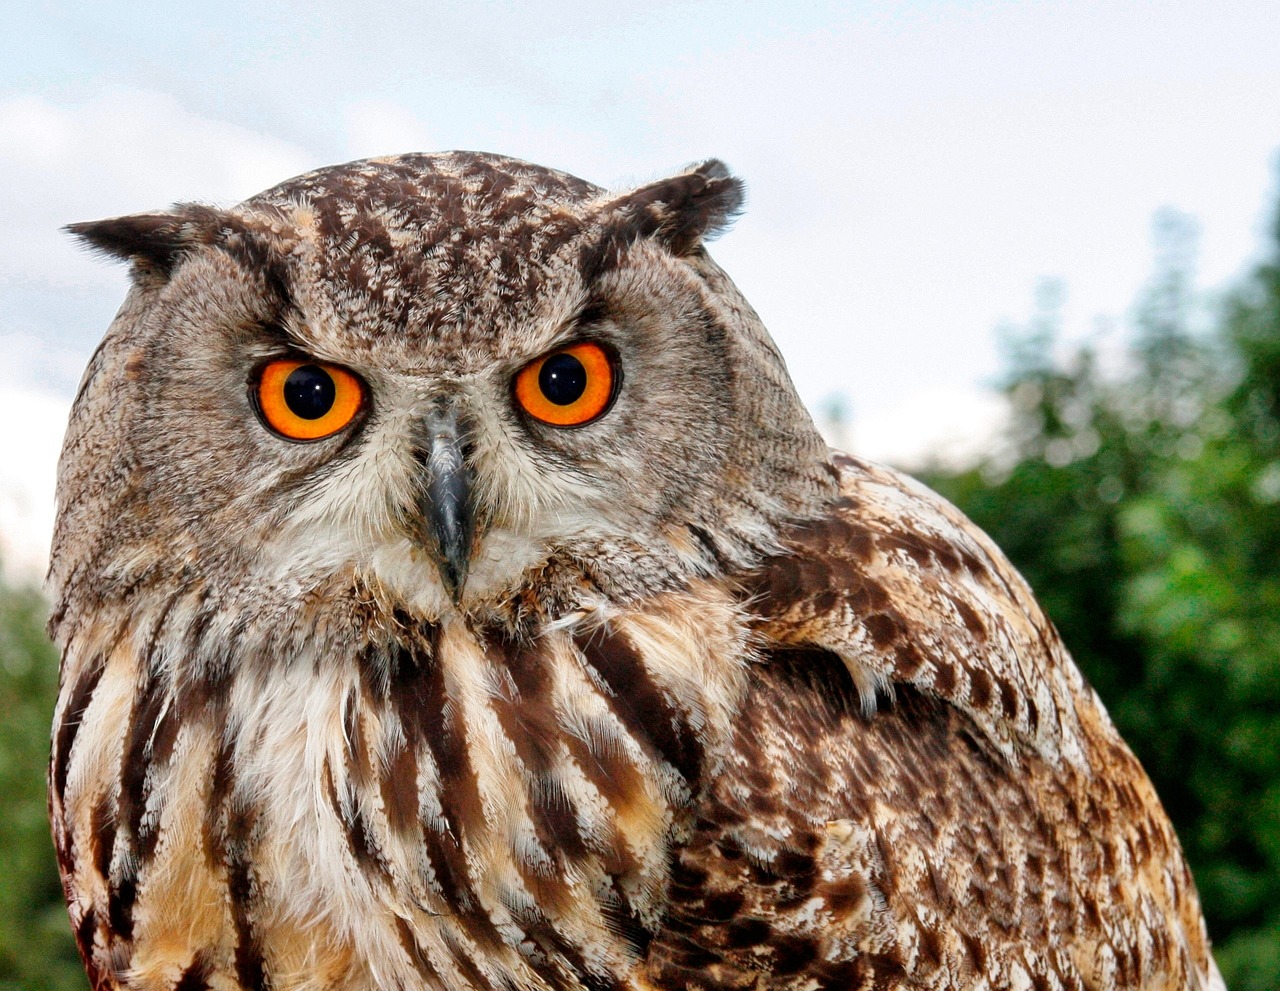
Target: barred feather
x,y
714,709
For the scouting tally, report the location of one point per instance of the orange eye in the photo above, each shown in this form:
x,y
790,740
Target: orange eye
x,y
307,400
567,388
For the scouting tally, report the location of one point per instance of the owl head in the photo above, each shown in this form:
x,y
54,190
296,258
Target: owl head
x,y
459,381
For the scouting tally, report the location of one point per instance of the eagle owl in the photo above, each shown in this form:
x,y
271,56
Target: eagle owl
x,y
453,593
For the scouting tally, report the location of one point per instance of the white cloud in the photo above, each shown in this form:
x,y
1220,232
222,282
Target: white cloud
x,y
28,470
913,171
953,428
913,177
122,151
379,127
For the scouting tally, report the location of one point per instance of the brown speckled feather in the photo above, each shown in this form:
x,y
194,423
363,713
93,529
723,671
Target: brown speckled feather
x,y
980,824
455,697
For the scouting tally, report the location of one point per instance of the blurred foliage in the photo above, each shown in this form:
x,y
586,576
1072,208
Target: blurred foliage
x,y
1142,503
36,949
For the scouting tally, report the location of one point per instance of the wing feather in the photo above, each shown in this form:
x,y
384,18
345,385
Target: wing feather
x,y
982,825
907,591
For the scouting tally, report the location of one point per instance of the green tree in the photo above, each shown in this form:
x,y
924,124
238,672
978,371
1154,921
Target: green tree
x,y
1144,508
36,949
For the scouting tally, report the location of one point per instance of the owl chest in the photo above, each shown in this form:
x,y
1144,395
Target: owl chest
x,y
460,829
469,819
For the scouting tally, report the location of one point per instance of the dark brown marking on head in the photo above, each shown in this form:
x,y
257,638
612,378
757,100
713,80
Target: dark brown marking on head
x,y
255,257
643,708
413,236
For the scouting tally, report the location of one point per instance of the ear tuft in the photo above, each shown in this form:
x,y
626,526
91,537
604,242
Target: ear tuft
x,y
686,209
154,239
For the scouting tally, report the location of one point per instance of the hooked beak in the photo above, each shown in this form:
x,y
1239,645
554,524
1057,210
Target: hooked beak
x,y
445,515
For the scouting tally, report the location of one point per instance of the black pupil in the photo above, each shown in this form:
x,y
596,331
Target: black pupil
x,y
309,392
562,379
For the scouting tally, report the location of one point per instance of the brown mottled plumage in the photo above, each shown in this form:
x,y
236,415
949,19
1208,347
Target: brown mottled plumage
x,y
454,698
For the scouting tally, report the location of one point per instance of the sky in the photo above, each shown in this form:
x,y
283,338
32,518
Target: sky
x,y
914,170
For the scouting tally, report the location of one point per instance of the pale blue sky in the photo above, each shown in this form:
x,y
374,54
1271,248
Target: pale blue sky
x,y
913,168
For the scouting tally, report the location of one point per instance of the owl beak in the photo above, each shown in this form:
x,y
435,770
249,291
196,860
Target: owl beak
x,y
446,517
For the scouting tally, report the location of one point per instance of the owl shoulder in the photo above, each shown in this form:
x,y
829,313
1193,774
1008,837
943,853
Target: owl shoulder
x,y
907,591
920,786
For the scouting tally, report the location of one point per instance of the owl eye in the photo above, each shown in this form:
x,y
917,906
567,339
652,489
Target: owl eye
x,y
307,400
569,387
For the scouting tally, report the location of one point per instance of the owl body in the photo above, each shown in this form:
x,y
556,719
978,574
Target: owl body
x,y
453,593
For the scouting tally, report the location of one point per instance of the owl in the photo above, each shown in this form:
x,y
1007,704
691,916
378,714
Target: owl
x,y
453,593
